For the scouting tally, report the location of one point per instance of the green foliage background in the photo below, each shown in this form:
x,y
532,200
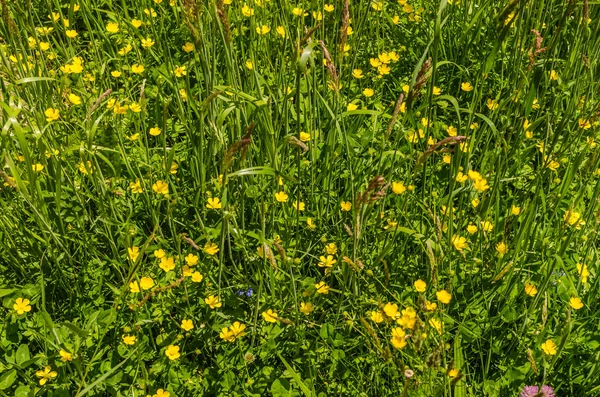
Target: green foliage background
x,y
234,132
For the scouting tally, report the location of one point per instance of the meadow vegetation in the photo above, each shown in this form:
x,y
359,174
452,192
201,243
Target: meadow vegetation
x,y
309,198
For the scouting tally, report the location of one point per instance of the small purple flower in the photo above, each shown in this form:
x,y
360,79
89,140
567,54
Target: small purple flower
x,y
249,292
534,391
240,292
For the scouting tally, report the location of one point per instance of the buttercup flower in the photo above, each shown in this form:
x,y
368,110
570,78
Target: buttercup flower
x,y
172,352
22,306
270,316
46,374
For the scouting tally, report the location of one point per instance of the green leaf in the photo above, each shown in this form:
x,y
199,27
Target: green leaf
x,y
7,379
23,391
296,377
281,387
23,354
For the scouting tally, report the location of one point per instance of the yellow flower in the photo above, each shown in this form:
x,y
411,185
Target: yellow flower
x,y
147,42
300,206
553,75
22,306
531,289
227,335
466,86
270,316
134,287
136,187
135,107
129,339
357,74
74,99
420,285
346,205
115,74
322,288
282,197
167,263
376,316
549,347
162,392
327,261
187,325
52,114
583,272
515,210
211,248
436,90
383,70
249,65
460,177
492,104
136,23
304,136
247,11
186,271
180,71
237,330
502,248
71,33
191,259
310,223
481,185
146,283
328,7
155,131
453,373
262,30
377,5
172,352
297,11
197,277
133,253
459,242
331,249
352,106
161,187
150,12
368,92
585,124
213,301
437,325
138,69
214,203
391,310
430,306
65,355
46,374
576,303
37,167
398,187
112,27
306,308
398,338
443,296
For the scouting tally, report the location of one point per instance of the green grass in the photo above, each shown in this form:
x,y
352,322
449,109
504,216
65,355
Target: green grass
x,y
233,126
